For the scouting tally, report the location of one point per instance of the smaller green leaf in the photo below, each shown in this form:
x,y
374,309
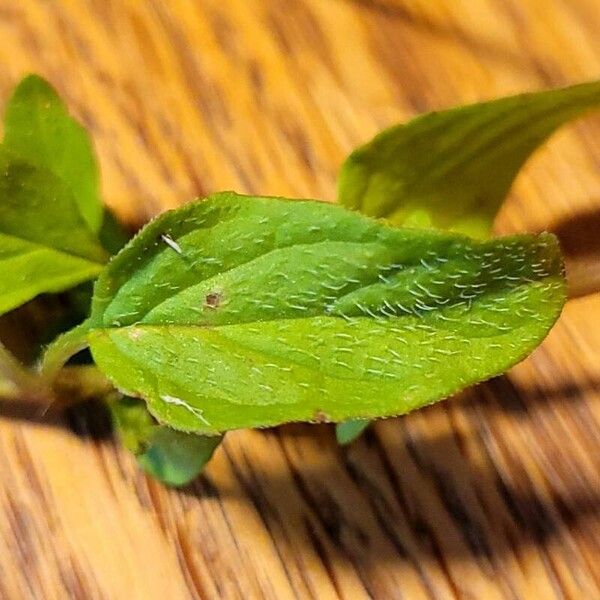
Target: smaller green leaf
x,y
173,457
45,245
176,458
452,169
348,431
39,129
133,423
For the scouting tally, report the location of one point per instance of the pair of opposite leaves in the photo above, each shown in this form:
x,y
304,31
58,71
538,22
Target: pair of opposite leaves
x,y
54,230
246,312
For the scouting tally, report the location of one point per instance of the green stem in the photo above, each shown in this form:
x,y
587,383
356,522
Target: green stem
x,y
17,383
53,384
62,349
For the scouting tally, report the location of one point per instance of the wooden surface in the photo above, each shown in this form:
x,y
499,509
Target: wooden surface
x,y
494,494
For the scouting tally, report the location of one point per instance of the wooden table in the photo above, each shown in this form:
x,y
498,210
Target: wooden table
x,y
494,494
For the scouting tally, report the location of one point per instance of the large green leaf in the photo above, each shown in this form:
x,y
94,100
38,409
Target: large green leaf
x,y
45,245
39,129
173,457
246,312
452,169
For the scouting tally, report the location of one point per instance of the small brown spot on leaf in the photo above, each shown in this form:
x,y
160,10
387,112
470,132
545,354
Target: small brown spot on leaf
x,y
213,300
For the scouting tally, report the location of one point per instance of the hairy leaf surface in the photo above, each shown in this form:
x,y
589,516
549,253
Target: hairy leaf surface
x,y
452,169
45,245
39,129
246,312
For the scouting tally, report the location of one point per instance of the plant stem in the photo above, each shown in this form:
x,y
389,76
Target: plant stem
x,y
17,383
69,385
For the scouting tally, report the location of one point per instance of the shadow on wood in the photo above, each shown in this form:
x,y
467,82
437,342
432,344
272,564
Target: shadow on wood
x,y
394,495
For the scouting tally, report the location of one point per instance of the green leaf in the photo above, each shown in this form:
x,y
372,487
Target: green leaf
x,y
39,129
173,457
452,169
45,246
348,431
247,312
133,423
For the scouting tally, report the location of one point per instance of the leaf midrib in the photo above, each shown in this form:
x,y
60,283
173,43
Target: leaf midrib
x,y
345,319
416,266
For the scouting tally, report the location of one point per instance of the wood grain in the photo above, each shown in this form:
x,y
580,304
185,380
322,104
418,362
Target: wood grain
x,y
494,494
